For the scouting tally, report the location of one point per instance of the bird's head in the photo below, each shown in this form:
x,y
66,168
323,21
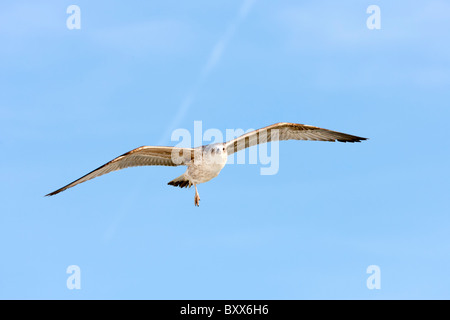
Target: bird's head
x,y
217,148
216,152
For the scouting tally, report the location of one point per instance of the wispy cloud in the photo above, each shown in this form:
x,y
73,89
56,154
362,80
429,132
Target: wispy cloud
x,y
335,24
333,37
212,61
20,20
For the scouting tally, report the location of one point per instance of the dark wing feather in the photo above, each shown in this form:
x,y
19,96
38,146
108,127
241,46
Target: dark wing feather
x,y
143,156
287,131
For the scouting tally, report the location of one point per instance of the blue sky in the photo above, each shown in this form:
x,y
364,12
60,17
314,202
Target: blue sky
x,y
71,100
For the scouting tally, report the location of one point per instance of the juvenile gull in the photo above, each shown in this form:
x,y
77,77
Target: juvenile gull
x,y
205,163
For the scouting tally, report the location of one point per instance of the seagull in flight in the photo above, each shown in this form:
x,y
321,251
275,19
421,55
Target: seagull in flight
x,y
205,163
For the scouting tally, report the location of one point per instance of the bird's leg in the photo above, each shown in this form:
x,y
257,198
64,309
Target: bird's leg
x,y
197,197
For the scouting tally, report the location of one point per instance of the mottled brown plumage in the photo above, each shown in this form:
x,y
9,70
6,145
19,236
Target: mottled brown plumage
x,y
287,131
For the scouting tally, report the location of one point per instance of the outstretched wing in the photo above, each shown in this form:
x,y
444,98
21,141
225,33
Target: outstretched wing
x,y
287,131
143,156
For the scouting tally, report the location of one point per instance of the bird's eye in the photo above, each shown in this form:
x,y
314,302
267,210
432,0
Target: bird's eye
x,y
223,148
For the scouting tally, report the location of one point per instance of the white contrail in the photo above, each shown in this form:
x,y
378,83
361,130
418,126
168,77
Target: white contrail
x,y
210,64
213,60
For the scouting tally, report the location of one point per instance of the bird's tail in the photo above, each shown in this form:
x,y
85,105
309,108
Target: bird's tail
x,y
181,182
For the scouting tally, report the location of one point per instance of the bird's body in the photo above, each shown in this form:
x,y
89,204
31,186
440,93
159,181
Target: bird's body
x,y
207,166
205,163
